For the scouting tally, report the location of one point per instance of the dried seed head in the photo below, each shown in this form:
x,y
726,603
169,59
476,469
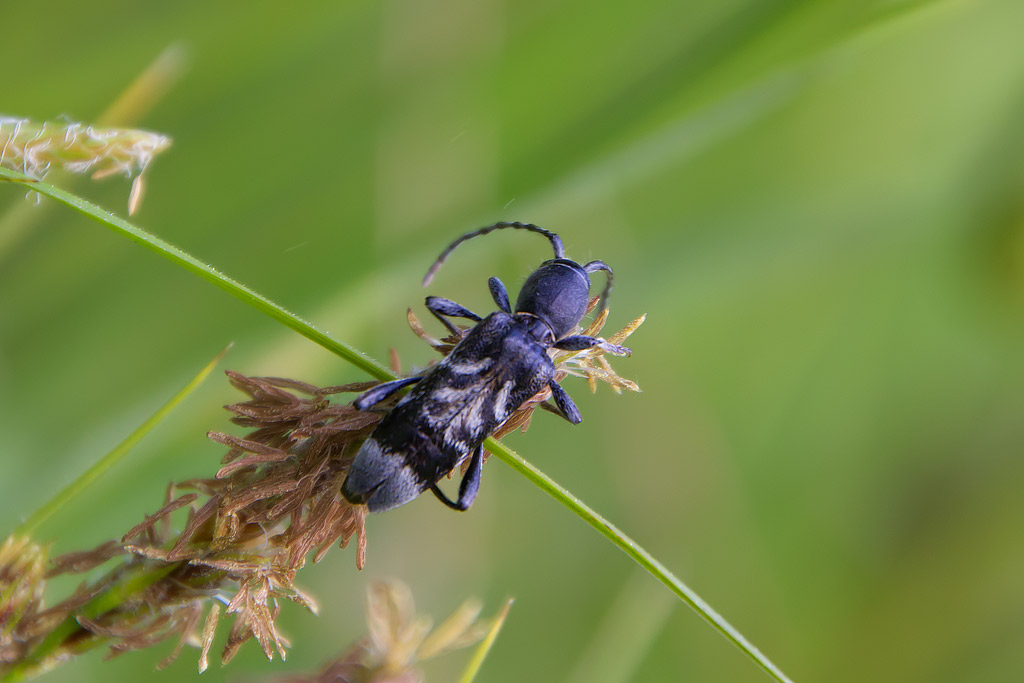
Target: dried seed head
x,y
399,639
33,148
246,533
22,580
592,363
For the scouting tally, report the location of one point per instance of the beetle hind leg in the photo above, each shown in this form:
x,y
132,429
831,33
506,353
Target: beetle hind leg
x,y
470,484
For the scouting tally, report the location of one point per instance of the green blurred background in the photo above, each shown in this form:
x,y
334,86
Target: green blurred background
x,y
819,205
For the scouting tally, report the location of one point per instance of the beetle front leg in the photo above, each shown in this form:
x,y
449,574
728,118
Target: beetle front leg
x,y
566,407
499,294
470,484
446,308
370,398
581,342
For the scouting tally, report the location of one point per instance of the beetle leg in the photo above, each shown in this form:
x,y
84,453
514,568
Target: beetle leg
x,y
443,498
551,408
446,307
566,407
469,486
370,398
580,342
471,480
500,294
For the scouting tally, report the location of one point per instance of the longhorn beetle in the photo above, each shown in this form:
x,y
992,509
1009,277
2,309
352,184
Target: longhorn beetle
x,y
500,363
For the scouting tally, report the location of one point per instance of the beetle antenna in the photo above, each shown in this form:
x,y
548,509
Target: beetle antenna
x,y
595,266
556,243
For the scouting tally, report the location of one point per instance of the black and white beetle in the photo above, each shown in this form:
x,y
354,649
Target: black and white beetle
x,y
499,364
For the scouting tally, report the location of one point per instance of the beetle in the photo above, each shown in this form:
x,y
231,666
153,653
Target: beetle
x,y
500,363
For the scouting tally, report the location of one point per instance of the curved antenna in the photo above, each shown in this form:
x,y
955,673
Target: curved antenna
x,y
595,266
556,243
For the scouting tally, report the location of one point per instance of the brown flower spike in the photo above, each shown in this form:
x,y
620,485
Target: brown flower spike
x,y
399,639
246,531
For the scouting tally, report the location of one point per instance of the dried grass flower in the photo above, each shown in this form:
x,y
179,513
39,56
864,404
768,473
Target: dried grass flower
x,y
22,580
33,148
399,639
244,534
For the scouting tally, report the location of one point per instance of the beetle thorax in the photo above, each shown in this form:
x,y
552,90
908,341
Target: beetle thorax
x,y
537,329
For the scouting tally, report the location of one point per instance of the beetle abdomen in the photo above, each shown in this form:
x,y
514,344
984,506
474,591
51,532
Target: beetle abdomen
x,y
380,479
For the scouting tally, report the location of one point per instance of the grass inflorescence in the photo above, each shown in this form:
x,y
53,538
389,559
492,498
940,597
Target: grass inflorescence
x,y
247,531
33,147
399,639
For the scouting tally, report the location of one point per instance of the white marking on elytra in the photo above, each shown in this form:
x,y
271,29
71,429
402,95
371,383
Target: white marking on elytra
x,y
468,420
470,367
449,394
501,401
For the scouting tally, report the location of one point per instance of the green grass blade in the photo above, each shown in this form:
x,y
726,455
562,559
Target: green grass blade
x,y
101,466
379,371
480,654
